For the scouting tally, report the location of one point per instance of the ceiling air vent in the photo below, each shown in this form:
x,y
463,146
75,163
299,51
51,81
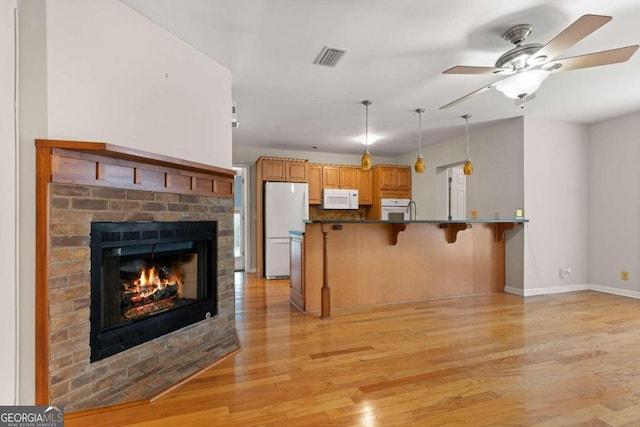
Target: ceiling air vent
x,y
329,56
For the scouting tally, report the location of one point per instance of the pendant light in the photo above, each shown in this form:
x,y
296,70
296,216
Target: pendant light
x,y
366,157
419,165
468,166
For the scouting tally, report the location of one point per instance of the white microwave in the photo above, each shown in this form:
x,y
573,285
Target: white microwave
x,y
333,198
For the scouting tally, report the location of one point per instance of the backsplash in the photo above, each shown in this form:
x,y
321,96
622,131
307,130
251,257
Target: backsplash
x,y
317,214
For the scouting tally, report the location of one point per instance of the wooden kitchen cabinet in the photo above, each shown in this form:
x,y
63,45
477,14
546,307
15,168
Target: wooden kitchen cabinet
x,y
389,182
288,170
365,187
315,183
330,176
297,171
393,177
403,178
336,176
349,178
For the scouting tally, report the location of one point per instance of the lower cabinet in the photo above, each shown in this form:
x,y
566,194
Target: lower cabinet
x,y
296,288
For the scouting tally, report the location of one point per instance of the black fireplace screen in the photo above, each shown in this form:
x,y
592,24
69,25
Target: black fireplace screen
x,y
149,279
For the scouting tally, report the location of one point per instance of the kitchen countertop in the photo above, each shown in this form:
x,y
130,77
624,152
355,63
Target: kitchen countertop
x,y
417,221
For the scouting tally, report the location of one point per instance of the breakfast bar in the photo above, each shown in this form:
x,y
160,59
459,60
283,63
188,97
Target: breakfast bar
x,y
343,264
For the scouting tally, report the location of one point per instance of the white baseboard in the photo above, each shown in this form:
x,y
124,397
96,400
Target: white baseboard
x,y
515,291
615,291
571,288
545,291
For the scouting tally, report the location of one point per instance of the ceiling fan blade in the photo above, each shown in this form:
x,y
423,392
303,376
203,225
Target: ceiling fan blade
x,y
571,35
459,100
463,69
605,57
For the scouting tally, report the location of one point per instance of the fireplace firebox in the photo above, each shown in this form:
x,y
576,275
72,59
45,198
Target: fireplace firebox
x,y
149,279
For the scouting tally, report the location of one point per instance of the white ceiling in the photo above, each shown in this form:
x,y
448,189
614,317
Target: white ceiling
x,y
396,52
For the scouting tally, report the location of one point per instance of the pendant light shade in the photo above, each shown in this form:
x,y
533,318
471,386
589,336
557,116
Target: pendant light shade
x,y
419,165
365,162
467,169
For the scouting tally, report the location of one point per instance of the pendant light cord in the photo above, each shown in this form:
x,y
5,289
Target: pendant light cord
x,y
420,132
366,126
466,118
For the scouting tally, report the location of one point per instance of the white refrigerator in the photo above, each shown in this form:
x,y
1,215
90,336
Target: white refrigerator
x,y
286,207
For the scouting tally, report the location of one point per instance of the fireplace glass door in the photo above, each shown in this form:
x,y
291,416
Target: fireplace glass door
x,y
148,279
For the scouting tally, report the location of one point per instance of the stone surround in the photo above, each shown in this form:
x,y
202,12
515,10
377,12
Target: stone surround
x,y
147,369
78,182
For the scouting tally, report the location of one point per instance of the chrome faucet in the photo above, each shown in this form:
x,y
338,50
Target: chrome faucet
x,y
413,213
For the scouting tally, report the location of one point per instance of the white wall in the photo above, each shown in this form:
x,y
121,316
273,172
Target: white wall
x,y
495,186
428,188
32,124
8,225
114,76
556,202
614,204
96,70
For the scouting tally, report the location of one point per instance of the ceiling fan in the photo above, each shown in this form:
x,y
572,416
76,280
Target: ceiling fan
x,y
527,65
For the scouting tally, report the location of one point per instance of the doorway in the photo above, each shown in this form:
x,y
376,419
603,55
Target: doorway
x,y
240,219
456,194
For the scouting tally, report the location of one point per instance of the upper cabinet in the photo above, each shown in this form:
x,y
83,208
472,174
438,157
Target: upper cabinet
x,y
315,183
389,182
337,176
349,178
280,169
365,187
396,178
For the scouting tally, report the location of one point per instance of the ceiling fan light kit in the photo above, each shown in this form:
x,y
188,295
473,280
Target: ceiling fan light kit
x,y
529,65
522,84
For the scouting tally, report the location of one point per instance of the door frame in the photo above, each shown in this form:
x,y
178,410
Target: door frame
x,y
242,171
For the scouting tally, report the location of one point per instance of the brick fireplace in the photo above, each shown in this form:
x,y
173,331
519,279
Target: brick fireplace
x,y
83,183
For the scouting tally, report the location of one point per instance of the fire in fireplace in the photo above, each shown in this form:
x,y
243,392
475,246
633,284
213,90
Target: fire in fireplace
x,y
149,279
154,290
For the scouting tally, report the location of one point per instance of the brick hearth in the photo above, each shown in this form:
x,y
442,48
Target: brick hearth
x,y
150,368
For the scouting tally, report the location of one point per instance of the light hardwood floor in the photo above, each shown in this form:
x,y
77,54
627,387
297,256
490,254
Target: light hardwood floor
x,y
490,360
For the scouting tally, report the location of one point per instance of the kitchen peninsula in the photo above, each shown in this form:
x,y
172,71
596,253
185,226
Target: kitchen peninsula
x,y
341,264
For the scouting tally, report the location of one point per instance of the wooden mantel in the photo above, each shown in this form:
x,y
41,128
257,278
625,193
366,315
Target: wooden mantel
x,y
102,164
105,165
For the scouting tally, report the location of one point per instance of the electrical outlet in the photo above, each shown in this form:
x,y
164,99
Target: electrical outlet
x,y
564,272
624,275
